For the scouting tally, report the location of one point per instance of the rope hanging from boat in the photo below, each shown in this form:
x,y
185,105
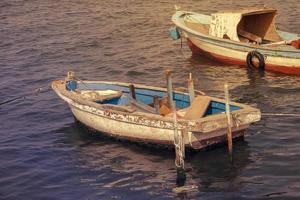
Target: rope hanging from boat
x,y
85,85
282,114
35,92
178,142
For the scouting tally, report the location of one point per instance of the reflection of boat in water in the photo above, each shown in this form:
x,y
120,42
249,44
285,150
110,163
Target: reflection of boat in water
x,y
112,167
243,37
111,108
107,164
213,171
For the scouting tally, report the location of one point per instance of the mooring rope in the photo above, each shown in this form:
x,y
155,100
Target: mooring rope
x,y
282,114
35,92
85,85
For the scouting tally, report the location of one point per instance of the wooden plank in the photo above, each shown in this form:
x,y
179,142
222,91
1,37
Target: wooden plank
x,y
168,73
250,36
191,88
229,123
156,104
198,108
142,106
132,91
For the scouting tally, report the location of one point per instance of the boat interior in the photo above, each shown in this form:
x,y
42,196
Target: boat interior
x,y
250,26
121,95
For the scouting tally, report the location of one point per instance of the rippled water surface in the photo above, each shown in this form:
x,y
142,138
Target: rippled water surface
x,y
44,154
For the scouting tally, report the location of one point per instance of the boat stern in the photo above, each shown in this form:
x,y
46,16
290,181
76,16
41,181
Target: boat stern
x,y
212,129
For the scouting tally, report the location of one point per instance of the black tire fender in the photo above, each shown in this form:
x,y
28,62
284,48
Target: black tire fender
x,y
259,56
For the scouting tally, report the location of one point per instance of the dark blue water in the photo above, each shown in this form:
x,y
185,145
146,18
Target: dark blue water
x,y
44,154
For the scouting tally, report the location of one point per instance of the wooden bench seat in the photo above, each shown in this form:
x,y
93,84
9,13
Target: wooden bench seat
x,y
249,36
198,108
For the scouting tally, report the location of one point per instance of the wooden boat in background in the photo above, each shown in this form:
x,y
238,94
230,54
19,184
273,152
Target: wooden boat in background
x,y
141,113
244,37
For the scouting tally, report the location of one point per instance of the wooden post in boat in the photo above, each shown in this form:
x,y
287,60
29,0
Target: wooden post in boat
x,y
179,148
169,87
156,104
132,91
228,116
70,76
178,135
191,88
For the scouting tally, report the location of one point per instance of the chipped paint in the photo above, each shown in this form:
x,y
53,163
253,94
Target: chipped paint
x,y
123,122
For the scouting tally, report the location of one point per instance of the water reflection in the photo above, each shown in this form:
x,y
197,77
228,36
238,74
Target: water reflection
x,y
214,171
112,166
122,40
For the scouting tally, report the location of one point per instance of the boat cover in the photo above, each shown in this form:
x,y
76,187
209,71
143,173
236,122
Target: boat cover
x,y
257,22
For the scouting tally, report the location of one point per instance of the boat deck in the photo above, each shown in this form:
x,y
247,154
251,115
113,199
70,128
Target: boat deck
x,y
145,96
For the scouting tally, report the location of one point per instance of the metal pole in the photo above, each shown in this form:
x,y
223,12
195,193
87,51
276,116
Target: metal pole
x,y
169,87
228,116
191,88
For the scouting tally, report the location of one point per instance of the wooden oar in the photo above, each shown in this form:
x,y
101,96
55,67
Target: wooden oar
x,y
178,134
191,88
168,73
141,106
132,91
228,115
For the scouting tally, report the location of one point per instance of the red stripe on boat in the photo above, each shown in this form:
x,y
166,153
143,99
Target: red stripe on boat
x,y
275,68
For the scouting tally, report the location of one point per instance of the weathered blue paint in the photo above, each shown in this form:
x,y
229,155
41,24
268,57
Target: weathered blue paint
x,y
143,95
114,101
123,100
146,99
71,85
213,108
101,86
218,107
288,36
202,18
146,96
174,33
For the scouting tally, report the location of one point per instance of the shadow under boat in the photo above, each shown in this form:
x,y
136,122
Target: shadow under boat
x,y
208,169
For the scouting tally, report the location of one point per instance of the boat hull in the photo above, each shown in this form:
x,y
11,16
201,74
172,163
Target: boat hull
x,y
195,27
237,57
150,135
123,122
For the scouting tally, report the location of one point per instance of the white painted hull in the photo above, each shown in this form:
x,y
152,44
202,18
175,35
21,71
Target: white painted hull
x,y
241,55
123,129
151,135
152,128
238,57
